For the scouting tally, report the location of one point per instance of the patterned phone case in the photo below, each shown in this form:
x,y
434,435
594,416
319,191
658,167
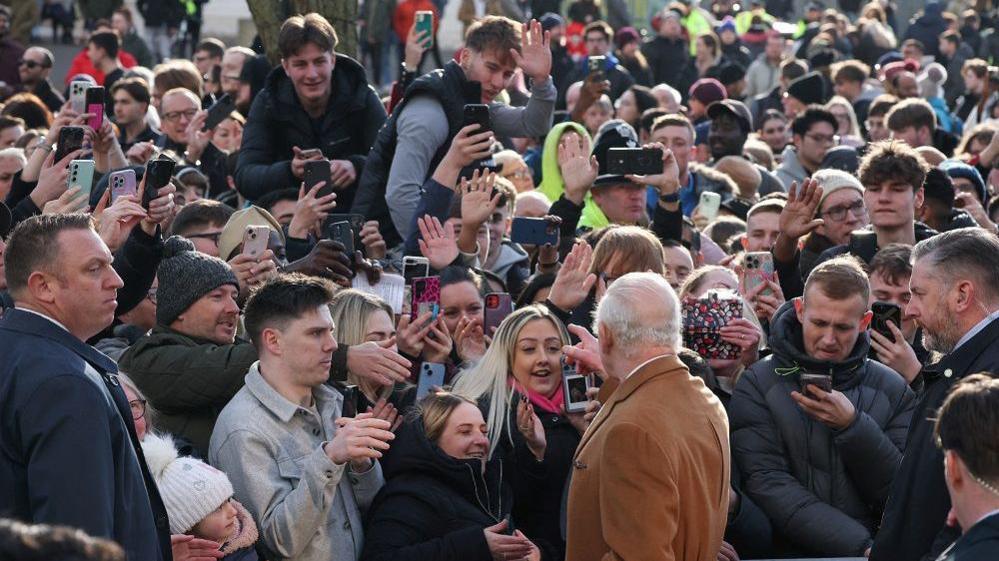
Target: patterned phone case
x,y
426,296
702,319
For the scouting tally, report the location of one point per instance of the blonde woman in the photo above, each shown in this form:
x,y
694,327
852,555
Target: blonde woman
x,y
847,126
518,385
361,317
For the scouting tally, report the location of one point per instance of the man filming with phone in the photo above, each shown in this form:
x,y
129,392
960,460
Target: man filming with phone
x,y
818,429
419,132
317,106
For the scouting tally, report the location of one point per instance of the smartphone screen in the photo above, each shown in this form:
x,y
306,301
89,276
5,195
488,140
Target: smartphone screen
x,y
425,25
70,139
219,111
95,106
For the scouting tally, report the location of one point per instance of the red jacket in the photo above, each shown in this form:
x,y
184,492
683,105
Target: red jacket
x,y
405,14
81,65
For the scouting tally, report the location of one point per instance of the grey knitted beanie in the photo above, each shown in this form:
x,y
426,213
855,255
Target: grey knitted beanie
x,y
186,275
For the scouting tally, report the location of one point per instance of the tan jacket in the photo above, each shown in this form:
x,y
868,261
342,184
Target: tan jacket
x,y
650,478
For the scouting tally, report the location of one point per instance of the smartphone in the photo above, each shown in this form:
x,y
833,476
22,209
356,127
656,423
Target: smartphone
x,y
310,153
81,174
316,171
95,106
637,161
356,222
534,231
477,114
822,381
574,386
349,408
498,306
426,297
70,139
78,96
425,25
709,205
884,312
596,66
431,376
341,232
157,175
759,268
255,240
219,111
414,267
122,183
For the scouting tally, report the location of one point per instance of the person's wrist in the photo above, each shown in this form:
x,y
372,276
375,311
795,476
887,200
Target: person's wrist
x,y
668,187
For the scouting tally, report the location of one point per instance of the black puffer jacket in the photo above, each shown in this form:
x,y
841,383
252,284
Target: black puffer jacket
x,y
823,489
434,507
277,121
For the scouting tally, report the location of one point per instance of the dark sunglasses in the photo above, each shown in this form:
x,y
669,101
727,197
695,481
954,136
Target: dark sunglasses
x,y
30,64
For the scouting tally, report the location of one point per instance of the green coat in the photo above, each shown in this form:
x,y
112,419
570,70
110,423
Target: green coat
x,y
187,380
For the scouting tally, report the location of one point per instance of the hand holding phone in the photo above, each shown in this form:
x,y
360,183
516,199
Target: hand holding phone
x,y
425,26
70,139
574,386
219,111
477,114
534,231
122,183
157,175
255,240
95,106
431,376
635,161
881,314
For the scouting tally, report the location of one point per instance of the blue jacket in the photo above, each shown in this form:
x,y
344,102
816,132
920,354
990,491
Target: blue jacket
x,y
69,454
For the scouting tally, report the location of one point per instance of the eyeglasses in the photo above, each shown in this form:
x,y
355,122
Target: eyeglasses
x,y
823,139
522,173
151,295
213,236
138,407
30,64
838,213
175,115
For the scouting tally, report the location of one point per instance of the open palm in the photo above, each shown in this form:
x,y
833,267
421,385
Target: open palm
x,y
437,243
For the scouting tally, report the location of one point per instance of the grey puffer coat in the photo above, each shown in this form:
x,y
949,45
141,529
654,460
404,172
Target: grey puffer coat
x,y
823,489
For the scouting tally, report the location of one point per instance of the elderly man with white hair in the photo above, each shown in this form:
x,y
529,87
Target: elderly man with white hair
x,y
660,443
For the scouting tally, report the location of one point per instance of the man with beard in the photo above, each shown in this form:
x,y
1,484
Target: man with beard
x,y
728,131
34,69
955,299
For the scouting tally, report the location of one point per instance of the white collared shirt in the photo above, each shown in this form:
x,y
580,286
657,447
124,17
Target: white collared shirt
x,y
976,329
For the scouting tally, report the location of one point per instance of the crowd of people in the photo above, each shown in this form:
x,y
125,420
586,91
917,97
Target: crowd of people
x,y
720,285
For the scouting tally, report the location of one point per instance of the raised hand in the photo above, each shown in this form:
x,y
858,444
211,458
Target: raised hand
x,y
574,280
535,56
798,216
376,361
467,147
161,209
469,339
479,199
310,211
67,203
197,139
437,242
585,355
416,45
531,429
898,354
52,178
372,240
115,222
579,169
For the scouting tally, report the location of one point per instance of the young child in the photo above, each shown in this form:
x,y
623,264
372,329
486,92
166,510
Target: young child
x,y
198,499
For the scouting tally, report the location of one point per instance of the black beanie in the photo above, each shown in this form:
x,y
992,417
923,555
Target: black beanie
x,y
186,275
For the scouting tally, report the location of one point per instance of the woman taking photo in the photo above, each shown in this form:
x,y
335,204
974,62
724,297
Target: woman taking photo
x,y
445,499
518,385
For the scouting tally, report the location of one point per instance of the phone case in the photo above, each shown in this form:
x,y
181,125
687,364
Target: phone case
x,y
356,222
758,267
414,267
81,173
122,183
316,171
157,175
498,306
477,114
95,105
882,313
78,96
426,296
218,112
534,231
70,139
596,66
425,25
709,204
637,161
702,318
431,374
822,381
255,240
341,232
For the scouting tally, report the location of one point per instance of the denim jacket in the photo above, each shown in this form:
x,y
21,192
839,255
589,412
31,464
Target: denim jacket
x,y
307,508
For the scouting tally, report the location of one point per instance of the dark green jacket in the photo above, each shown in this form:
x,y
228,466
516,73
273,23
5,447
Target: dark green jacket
x,y
187,380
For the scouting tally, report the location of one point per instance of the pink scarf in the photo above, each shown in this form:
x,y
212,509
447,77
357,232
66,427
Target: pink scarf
x,y
553,404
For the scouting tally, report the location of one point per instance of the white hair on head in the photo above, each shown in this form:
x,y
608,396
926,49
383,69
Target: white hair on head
x,y
640,309
669,90
16,153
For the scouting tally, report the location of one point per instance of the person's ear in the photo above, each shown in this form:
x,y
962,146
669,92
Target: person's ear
x,y
42,287
919,198
799,308
955,472
866,321
605,338
272,341
284,65
963,295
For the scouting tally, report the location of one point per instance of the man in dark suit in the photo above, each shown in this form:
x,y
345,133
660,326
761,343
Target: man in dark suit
x,y
966,431
70,454
955,299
